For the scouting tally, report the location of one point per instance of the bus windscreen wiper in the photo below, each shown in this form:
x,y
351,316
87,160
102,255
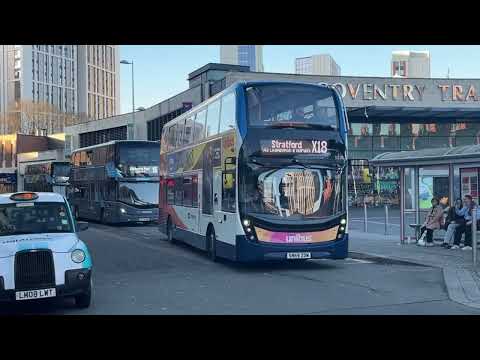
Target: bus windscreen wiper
x,y
300,125
296,162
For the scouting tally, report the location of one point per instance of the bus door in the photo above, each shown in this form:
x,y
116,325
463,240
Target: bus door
x,y
193,210
217,197
225,225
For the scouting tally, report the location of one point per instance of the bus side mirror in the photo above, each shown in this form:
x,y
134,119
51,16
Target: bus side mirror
x,y
82,226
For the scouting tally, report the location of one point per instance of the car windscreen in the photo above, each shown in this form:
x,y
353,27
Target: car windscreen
x,y
34,218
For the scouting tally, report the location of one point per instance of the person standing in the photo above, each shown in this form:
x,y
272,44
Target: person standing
x,y
432,222
465,228
455,218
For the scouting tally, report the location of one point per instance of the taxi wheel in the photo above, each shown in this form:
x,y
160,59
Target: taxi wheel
x,y
84,300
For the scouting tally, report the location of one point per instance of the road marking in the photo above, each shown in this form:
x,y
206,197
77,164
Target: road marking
x,y
360,261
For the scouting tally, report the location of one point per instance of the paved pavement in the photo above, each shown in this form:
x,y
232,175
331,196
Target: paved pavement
x,y
460,276
138,272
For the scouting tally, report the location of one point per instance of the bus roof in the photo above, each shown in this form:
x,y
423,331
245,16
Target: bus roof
x,y
116,142
42,197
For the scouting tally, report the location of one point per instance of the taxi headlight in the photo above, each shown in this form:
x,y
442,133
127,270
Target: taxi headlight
x,y
78,256
123,211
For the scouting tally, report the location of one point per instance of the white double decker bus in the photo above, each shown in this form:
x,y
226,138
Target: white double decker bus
x,y
258,172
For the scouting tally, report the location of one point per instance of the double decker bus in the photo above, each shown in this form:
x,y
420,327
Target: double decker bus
x,y
116,182
50,176
258,172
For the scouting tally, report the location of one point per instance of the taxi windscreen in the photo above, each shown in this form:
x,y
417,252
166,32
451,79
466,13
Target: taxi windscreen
x,y
34,218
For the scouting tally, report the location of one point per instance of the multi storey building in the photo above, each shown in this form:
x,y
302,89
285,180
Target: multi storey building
x,y
410,64
322,64
45,87
245,55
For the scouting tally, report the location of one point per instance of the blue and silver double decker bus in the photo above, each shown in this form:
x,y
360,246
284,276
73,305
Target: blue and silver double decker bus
x,y
116,182
258,172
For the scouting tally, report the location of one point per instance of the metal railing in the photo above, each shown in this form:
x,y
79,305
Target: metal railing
x,y
474,235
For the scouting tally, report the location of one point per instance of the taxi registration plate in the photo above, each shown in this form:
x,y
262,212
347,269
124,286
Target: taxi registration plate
x,y
35,294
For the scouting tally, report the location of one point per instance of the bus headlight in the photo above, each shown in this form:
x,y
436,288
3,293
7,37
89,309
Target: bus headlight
x,y
343,221
342,229
123,211
246,222
78,256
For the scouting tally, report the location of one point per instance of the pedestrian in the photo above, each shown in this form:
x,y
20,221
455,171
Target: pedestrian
x,y
455,218
466,227
432,222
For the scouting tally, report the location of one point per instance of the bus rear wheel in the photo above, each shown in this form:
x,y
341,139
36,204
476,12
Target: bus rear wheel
x,y
102,216
170,231
211,243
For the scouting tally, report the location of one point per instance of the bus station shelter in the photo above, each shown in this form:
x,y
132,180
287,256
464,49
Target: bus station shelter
x,y
443,173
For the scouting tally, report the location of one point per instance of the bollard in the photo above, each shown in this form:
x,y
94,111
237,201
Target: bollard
x,y
386,220
474,235
365,222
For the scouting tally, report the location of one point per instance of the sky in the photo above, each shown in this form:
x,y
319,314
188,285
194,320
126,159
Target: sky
x,y
161,70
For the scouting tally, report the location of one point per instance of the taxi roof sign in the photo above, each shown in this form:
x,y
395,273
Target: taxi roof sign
x,y
24,196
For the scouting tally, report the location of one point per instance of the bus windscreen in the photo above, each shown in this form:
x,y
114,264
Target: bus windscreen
x,y
61,169
291,104
139,160
293,193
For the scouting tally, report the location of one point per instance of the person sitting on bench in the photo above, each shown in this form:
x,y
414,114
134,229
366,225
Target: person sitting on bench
x,y
466,227
432,222
455,218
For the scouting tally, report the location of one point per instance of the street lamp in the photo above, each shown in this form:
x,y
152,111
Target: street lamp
x,y
125,62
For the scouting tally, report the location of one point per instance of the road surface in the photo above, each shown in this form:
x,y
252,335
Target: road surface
x,y
138,272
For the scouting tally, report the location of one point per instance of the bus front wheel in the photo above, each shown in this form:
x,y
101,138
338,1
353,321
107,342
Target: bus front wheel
x,y
211,240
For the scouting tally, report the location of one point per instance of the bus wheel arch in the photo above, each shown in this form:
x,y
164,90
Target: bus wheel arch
x,y
211,243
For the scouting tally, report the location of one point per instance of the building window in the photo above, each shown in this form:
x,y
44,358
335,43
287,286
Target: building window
x,y
399,68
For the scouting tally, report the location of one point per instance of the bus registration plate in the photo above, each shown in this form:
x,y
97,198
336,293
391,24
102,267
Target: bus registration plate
x,y
299,255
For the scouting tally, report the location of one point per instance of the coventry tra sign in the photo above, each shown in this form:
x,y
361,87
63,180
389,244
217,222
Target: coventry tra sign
x,y
406,92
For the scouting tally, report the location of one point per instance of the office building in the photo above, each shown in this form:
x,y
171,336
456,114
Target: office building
x,y
244,55
322,64
46,87
98,81
410,64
